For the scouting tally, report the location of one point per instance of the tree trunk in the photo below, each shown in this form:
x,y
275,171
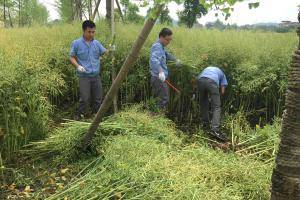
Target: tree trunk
x,y
113,67
4,14
78,10
286,175
19,5
108,10
75,10
90,9
128,63
9,17
96,9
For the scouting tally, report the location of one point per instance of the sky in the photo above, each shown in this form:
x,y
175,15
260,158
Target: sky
x,y
268,11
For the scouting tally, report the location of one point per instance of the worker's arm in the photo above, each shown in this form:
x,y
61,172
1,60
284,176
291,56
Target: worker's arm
x,y
76,65
222,90
155,58
223,84
74,61
73,54
170,57
194,83
106,52
194,87
103,50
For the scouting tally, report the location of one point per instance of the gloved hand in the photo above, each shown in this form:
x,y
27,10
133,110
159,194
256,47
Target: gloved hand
x,y
162,76
81,69
112,48
178,63
193,97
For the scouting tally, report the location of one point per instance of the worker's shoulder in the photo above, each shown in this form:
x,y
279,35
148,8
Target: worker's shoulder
x,y
156,46
76,41
214,68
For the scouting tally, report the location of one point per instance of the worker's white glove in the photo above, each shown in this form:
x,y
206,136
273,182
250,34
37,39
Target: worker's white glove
x,y
81,69
112,48
178,63
193,97
162,76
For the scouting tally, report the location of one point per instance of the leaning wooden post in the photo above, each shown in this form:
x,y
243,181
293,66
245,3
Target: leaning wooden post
x,y
128,63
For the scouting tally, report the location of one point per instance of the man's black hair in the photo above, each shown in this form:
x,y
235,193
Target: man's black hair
x,y
88,24
165,32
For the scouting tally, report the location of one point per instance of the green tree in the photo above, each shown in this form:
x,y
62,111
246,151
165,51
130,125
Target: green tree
x,y
217,25
33,12
40,14
66,10
23,12
125,4
192,10
164,17
132,14
70,10
8,12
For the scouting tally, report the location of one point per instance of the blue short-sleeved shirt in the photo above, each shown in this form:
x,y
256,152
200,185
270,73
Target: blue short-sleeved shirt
x,y
88,56
215,74
158,59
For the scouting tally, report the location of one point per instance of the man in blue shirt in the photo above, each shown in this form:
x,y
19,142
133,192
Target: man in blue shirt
x,y
85,56
159,69
211,82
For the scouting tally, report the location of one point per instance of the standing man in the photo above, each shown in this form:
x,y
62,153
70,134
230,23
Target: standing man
x,y
158,68
211,82
85,56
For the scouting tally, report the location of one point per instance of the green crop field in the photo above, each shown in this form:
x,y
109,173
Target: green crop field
x,y
134,156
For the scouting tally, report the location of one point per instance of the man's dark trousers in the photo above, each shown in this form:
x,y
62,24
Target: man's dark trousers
x,y
209,88
90,90
160,91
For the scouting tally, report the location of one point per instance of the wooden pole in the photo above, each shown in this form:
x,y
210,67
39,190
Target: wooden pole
x,y
113,67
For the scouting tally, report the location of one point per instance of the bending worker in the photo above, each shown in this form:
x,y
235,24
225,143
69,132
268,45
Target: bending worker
x,y
211,82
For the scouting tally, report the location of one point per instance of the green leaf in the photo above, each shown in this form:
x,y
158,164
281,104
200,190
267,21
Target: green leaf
x,y
226,10
253,5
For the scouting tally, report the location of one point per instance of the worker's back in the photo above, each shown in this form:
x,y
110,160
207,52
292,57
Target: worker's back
x,y
214,73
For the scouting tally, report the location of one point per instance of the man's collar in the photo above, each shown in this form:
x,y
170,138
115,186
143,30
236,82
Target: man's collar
x,y
158,41
82,38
